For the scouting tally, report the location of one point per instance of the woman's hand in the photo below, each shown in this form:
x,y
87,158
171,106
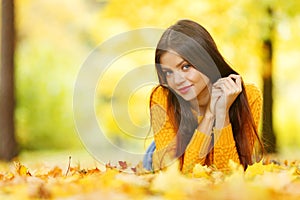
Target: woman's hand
x,y
224,93
228,89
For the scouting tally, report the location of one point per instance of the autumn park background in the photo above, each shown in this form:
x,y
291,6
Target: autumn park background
x,y
52,39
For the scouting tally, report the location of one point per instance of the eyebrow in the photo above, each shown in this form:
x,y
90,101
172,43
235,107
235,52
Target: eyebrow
x,y
177,65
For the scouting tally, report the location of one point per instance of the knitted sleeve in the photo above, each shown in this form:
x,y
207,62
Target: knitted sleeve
x,y
199,147
163,129
224,148
196,151
255,100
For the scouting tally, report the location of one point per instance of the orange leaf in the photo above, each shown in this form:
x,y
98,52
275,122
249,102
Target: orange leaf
x,y
55,172
92,171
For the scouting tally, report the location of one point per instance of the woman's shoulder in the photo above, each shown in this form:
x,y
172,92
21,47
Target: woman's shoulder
x,y
251,87
159,95
253,92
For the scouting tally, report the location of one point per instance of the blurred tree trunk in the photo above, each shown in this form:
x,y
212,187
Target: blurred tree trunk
x,y
8,145
269,138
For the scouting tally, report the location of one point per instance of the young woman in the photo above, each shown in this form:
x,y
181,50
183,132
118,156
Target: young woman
x,y
201,112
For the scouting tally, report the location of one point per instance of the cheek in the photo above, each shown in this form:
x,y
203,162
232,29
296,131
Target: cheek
x,y
197,76
194,76
170,82
201,81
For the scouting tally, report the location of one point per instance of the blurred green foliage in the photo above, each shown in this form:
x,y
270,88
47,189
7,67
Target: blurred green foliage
x,y
52,44
54,38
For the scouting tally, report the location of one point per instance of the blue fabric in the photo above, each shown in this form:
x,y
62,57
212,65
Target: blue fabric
x,y
147,161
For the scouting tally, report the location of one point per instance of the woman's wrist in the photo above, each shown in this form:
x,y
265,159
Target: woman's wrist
x,y
209,116
222,120
206,124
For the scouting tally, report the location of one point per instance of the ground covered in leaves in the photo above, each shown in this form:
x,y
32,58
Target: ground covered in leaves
x,y
271,180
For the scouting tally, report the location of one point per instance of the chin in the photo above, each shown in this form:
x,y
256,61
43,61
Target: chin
x,y
189,98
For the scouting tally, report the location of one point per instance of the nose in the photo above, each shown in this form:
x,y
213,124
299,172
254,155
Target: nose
x,y
178,78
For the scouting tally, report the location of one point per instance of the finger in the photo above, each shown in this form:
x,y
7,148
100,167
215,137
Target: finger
x,y
222,80
216,88
222,85
229,85
237,78
216,91
219,81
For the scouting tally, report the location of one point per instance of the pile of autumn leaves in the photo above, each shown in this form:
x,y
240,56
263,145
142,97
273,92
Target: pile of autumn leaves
x,y
259,181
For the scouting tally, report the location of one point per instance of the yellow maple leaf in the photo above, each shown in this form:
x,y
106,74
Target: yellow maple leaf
x,y
21,169
200,171
259,169
253,170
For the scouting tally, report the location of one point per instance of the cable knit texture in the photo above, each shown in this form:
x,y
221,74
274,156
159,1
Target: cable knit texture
x,y
199,150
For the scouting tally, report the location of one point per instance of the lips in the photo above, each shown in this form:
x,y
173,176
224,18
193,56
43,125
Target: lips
x,y
185,89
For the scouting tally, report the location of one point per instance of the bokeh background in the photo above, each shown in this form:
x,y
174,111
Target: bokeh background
x,y
53,39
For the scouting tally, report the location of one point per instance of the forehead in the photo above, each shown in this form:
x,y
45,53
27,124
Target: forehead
x,y
170,59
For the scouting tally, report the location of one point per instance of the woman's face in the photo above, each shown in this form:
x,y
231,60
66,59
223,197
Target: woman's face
x,y
182,77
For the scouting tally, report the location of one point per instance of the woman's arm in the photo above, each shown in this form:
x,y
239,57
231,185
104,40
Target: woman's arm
x,y
163,129
255,100
224,147
199,145
165,135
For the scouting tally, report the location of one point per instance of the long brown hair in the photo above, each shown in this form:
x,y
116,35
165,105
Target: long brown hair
x,y
194,44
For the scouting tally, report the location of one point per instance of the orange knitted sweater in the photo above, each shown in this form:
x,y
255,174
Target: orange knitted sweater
x,y
199,150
